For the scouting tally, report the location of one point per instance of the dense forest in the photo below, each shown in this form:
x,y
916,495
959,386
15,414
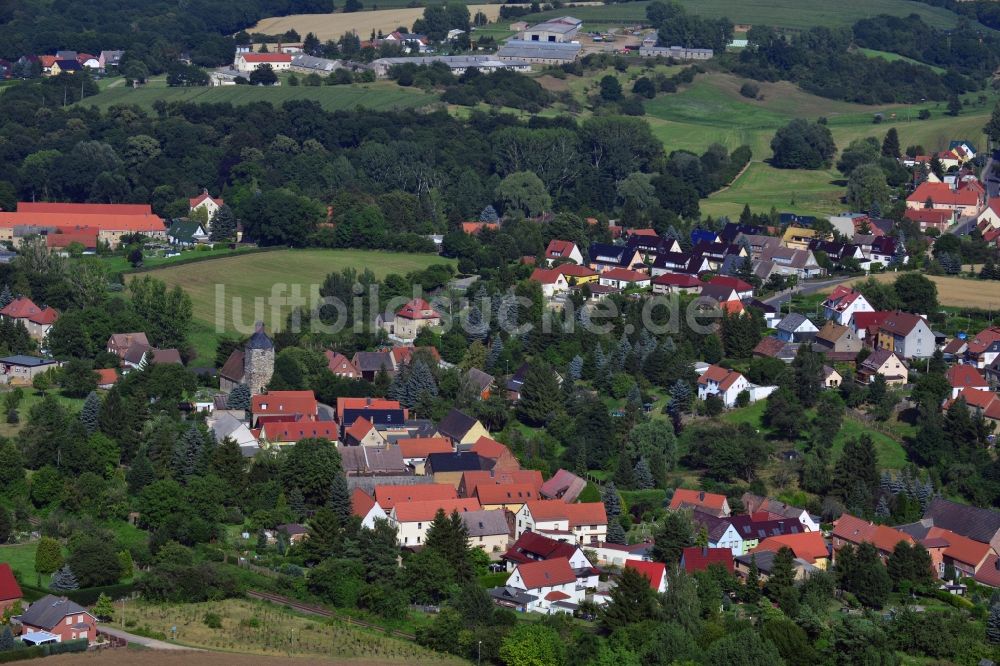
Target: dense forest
x,y
155,31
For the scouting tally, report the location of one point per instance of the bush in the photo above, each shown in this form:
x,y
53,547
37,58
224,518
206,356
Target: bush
x,y
213,621
750,90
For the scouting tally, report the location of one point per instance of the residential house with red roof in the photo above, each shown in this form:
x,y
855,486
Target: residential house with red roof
x,y
577,275
564,485
552,280
287,404
472,479
64,239
119,343
106,378
945,547
38,320
249,62
849,530
884,362
697,559
978,524
66,619
584,523
510,497
416,449
340,365
206,202
962,376
475,228
722,382
989,219
963,200
361,433
984,403
559,251
377,410
807,546
841,305
654,572
676,283
388,495
624,278
534,547
699,500
412,519
10,591
410,319
551,583
865,325
284,431
984,348
756,503
931,218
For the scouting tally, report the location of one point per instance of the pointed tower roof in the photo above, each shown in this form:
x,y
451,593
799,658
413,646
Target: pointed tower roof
x,y
259,339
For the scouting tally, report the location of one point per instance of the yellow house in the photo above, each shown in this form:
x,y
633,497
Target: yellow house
x,y
577,275
798,238
461,429
488,530
884,362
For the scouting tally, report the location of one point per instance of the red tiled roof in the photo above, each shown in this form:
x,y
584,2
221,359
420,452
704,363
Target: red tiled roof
x,y
293,431
769,346
934,216
729,281
559,249
900,323
472,479
732,307
339,364
417,308
9,589
409,512
403,353
473,228
359,429
984,339
808,546
421,447
266,57
63,239
556,595
624,275
584,513
23,308
856,531
84,208
513,493
941,193
654,571
724,377
682,280
965,376
699,559
363,403
106,376
285,402
546,573
361,503
389,496
205,195
698,498
532,545
960,548
112,222
546,275
575,270
489,448
864,320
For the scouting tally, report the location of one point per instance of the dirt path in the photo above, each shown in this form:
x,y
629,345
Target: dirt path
x,y
151,643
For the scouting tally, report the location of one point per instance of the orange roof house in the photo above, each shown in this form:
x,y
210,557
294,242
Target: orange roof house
x,y
106,377
511,496
474,228
425,511
388,496
472,479
546,573
808,546
417,308
421,447
654,572
855,531
291,431
711,503
285,403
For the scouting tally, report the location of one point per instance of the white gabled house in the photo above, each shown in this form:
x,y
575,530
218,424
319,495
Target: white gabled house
x,y
843,303
552,583
723,382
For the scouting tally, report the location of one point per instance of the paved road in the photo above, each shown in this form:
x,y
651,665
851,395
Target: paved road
x,y
151,643
804,288
967,224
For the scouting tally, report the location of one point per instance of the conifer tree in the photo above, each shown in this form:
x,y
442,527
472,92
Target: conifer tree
x,y
680,396
223,224
140,473
493,357
993,622
5,296
340,499
187,453
64,580
296,502
643,476
7,642
576,368
751,590
90,414
239,397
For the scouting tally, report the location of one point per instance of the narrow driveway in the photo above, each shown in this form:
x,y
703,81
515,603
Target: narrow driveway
x,y
804,288
151,643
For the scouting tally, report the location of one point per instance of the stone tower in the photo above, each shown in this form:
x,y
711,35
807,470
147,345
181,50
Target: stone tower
x,y
258,360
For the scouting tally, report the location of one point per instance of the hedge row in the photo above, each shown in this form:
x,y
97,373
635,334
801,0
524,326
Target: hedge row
x,y
198,256
85,597
37,651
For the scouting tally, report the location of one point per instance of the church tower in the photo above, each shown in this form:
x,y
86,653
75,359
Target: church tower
x,y
258,364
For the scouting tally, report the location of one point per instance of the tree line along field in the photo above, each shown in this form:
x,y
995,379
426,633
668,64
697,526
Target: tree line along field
x,y
379,96
252,276
798,14
955,291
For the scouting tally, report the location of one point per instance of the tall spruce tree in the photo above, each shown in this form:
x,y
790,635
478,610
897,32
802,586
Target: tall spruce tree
x,y
239,397
642,476
140,473
6,297
187,453
993,621
539,394
90,414
223,225
340,499
64,580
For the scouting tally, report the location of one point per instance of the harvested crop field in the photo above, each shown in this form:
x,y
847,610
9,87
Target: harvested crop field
x,y
955,291
333,26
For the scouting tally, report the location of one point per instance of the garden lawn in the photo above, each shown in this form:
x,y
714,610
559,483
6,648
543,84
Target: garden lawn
x,y
31,398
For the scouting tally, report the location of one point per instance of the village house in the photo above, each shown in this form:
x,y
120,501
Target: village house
x,y
120,343
654,572
906,334
984,348
112,221
605,257
831,378
578,275
848,530
385,415
982,525
371,461
416,449
488,530
564,485
806,546
755,503
207,203
65,619
795,327
836,338
360,433
413,519
366,508
461,429
931,218
37,320
982,403
10,591
250,62
562,29
472,479
945,547
623,278
786,261
883,362
962,377
186,233
388,496
449,467
21,369
552,280
548,586
989,219
562,251
710,503
583,523
510,497
253,365
340,365
798,238
744,532
764,560
284,404
224,424
676,283
722,382
841,305
285,431
963,200
410,319
534,547
696,558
